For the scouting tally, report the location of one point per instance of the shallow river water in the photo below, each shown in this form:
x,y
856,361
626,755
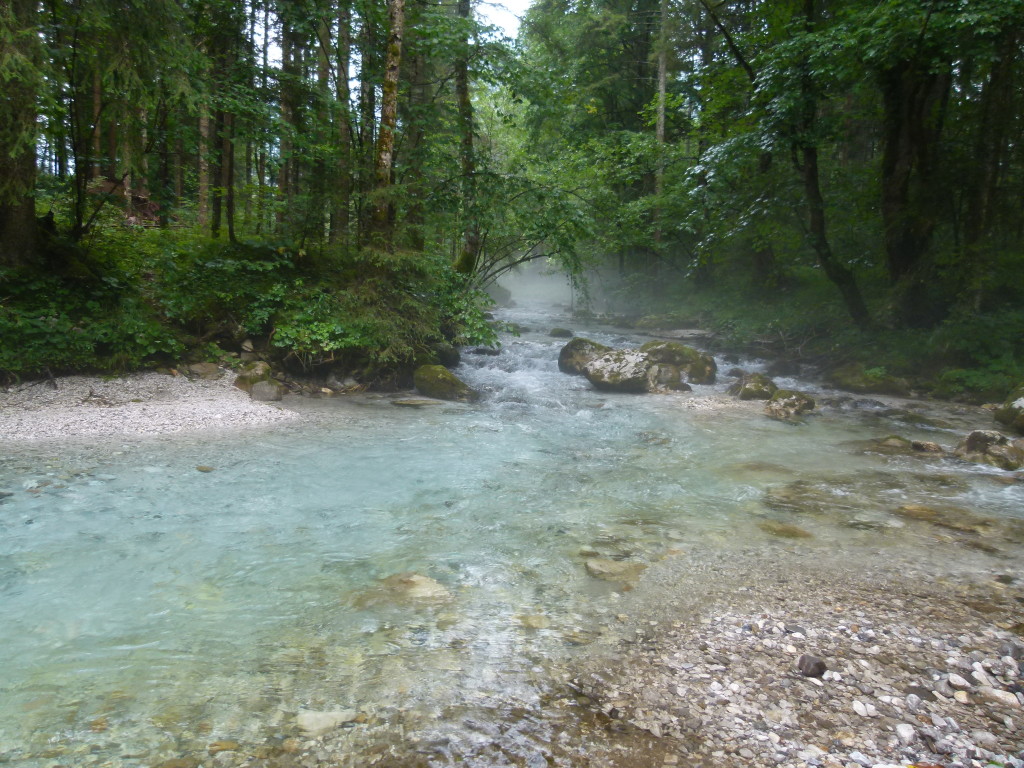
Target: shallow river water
x,y
148,610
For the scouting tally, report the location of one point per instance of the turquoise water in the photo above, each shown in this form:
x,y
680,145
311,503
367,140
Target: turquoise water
x,y
147,608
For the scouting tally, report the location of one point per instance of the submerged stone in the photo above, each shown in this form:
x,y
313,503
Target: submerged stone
x,y
437,381
575,355
614,570
784,530
319,723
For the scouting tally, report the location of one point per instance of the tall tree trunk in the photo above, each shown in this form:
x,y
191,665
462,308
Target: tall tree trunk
x,y
227,172
18,80
469,254
203,149
990,145
381,223
341,192
367,118
914,101
840,275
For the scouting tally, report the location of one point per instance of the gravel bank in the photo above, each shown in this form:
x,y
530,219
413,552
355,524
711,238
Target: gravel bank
x,y
898,668
138,404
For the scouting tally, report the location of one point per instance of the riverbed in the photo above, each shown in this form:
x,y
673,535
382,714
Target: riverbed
x,y
424,574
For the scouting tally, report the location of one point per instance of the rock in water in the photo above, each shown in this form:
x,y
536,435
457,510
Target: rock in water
x,y
662,377
560,333
699,367
575,355
415,586
753,386
989,447
437,381
621,370
1012,411
267,391
614,570
810,666
783,530
789,405
319,723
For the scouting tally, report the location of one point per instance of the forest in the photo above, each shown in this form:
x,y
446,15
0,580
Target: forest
x,y
338,181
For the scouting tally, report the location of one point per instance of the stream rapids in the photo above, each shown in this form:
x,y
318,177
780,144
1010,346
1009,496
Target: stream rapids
x,y
149,611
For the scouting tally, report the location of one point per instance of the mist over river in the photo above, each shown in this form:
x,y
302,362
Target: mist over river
x,y
419,572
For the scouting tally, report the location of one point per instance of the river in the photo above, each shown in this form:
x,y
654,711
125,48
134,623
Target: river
x,y
149,610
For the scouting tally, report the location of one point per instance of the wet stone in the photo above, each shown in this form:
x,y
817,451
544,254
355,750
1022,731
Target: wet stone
x,y
810,666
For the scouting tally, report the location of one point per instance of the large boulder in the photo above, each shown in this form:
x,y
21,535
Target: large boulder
x,y
621,370
267,391
252,373
995,448
662,377
700,368
438,382
1012,411
789,405
753,386
577,353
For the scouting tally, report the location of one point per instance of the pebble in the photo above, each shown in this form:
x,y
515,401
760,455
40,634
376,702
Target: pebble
x,y
906,733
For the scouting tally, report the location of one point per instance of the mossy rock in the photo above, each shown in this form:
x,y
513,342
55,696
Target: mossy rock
x,y
662,377
700,368
438,382
994,448
560,333
1012,411
621,370
855,377
575,355
252,373
753,386
789,405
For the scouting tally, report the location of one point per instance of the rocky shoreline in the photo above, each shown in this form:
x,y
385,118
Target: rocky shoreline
x,y
790,661
134,405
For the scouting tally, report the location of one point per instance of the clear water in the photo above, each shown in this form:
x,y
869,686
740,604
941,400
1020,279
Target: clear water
x,y
147,608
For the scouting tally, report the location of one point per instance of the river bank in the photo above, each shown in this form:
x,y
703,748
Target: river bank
x,y
149,403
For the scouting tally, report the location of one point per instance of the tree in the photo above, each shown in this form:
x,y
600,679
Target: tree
x,y
20,80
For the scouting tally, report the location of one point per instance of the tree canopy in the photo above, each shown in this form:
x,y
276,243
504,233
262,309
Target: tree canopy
x,y
338,178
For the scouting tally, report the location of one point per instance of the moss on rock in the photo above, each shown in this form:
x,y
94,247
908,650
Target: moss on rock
x,y
753,386
700,368
1012,411
575,355
438,382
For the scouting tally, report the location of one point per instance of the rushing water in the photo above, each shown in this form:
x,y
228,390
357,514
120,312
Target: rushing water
x,y
148,609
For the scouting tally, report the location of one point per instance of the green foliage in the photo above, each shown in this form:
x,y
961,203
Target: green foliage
x,y
54,324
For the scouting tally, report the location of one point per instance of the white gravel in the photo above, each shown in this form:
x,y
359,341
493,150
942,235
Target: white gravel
x,y
137,404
